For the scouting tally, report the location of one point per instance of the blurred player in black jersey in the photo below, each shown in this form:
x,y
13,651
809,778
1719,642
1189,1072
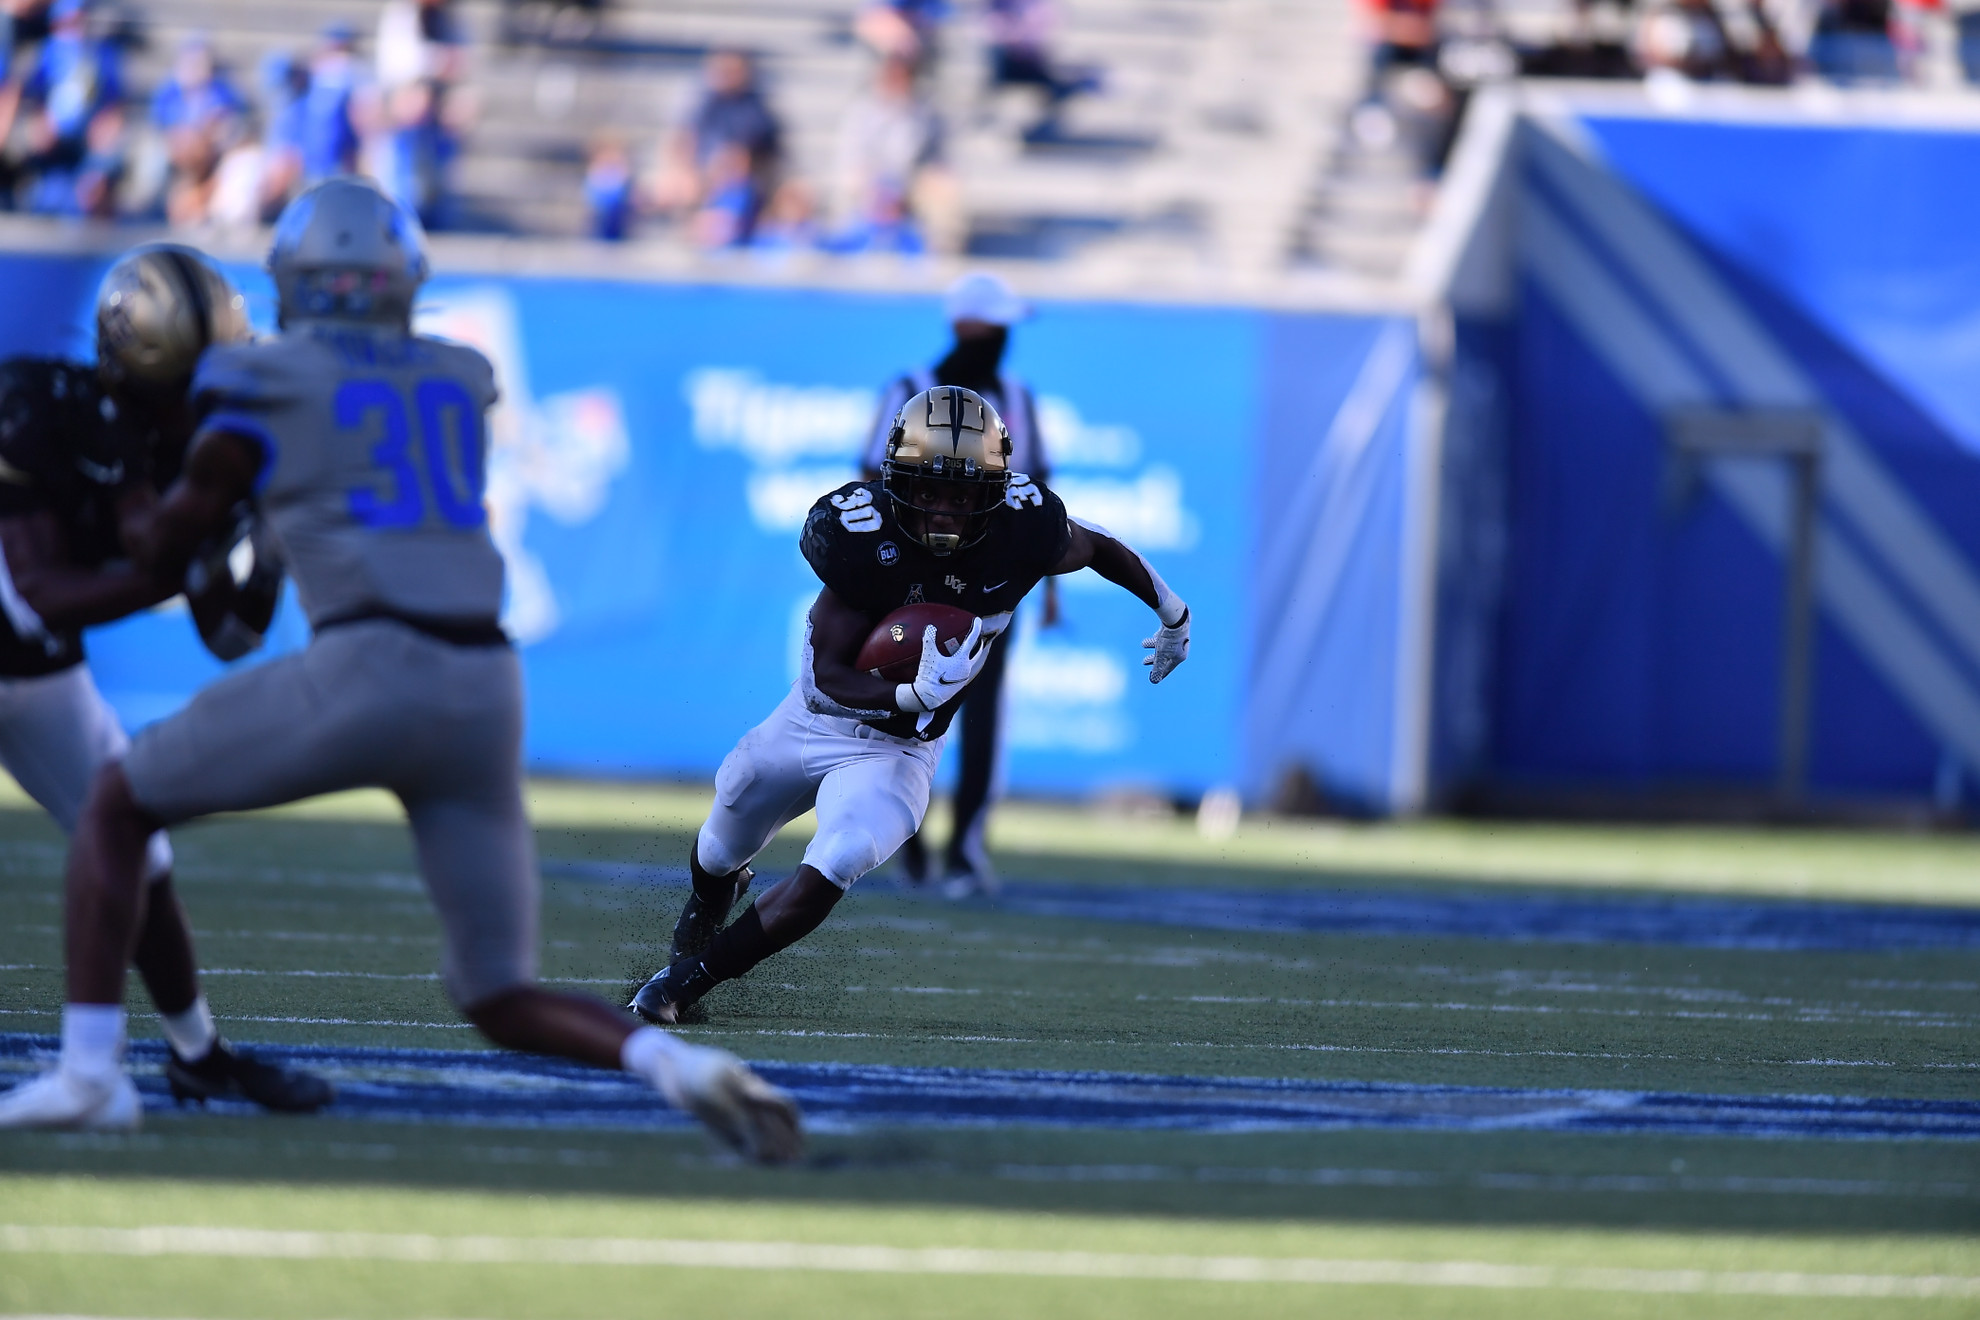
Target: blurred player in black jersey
x,y
947,523
84,451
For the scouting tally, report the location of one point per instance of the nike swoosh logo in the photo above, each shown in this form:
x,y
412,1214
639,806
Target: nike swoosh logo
x,y
994,586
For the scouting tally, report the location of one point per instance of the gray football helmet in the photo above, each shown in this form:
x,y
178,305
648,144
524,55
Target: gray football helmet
x,y
344,251
160,307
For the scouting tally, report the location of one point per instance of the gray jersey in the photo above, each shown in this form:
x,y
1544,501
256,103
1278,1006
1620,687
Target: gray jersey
x,y
376,445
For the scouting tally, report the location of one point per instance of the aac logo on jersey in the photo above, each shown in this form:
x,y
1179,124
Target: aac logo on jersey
x,y
889,554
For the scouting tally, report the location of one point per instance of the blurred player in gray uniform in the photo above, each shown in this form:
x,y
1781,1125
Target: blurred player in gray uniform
x,y
366,447
84,447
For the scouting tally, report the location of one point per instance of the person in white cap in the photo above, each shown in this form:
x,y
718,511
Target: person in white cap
x,y
981,309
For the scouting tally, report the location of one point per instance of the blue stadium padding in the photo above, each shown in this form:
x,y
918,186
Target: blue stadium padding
x,y
1667,264
658,445
1332,521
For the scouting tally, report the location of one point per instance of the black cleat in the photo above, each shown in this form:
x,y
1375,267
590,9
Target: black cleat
x,y
703,916
222,1072
671,995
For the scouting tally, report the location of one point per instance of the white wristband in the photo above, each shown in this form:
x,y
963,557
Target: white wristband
x,y
1169,607
907,701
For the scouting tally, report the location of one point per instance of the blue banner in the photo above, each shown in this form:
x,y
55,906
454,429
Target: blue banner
x,y
657,445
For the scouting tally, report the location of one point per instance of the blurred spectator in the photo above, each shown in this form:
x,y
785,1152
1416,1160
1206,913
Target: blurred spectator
x,y
22,23
418,40
890,165
420,57
1852,42
416,148
1590,48
728,210
263,168
1690,39
608,188
1020,35
76,81
789,223
882,225
722,158
331,111
1768,62
902,29
1966,26
244,185
200,115
1403,36
550,20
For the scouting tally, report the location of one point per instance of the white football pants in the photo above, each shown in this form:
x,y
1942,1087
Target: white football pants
x,y
56,731
870,790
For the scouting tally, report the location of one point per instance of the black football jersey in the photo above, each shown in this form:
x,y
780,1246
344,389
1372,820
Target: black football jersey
x,y
853,543
63,449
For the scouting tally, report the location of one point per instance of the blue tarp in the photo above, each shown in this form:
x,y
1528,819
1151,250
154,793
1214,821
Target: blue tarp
x,y
1670,264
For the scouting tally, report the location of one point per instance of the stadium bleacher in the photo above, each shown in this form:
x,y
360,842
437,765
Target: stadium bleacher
x,y
1212,149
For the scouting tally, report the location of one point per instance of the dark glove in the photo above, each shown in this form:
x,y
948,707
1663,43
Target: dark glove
x,y
233,613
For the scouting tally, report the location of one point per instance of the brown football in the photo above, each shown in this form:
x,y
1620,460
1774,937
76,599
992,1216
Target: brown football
x,y
893,651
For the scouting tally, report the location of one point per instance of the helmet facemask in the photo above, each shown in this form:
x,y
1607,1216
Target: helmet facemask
x,y
945,513
947,468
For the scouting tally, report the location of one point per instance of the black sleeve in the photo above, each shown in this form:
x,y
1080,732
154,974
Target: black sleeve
x,y
24,445
840,544
1055,534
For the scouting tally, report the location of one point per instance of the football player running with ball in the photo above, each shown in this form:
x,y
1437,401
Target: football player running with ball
x,y
366,447
84,449
948,523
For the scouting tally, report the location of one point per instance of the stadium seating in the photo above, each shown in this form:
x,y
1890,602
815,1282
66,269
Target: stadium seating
x,y
1209,152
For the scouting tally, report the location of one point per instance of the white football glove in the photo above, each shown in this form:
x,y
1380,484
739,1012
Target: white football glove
x,y
942,676
1171,648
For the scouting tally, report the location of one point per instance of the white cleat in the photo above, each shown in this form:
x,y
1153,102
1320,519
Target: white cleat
x,y
746,1112
61,1099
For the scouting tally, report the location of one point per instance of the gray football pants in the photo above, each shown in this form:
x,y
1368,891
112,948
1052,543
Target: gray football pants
x,y
377,704
56,731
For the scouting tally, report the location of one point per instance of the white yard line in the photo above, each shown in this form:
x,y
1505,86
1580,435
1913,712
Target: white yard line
x,y
422,1248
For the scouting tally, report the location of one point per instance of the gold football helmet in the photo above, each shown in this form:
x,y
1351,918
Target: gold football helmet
x,y
948,464
159,308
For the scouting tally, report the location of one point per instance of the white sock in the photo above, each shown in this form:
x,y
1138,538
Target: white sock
x,y
653,1054
192,1032
93,1040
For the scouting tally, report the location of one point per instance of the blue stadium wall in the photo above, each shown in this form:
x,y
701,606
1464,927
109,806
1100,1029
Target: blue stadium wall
x,y
658,444
1664,262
